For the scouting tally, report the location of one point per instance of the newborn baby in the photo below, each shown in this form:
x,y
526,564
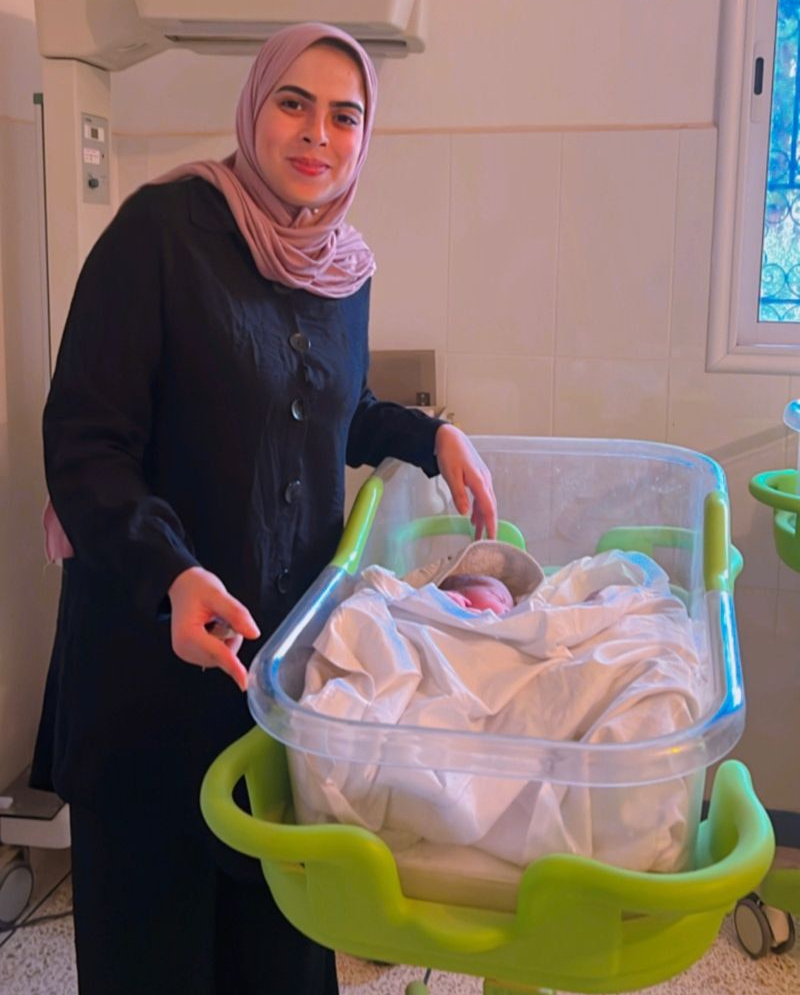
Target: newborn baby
x,y
478,592
487,574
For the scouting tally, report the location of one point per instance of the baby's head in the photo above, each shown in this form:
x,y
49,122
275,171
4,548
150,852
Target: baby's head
x,y
478,592
487,573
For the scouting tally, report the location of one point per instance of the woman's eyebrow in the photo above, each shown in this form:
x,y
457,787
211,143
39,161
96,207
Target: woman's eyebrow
x,y
310,96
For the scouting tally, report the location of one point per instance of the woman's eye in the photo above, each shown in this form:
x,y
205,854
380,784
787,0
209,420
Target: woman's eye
x,y
291,104
349,120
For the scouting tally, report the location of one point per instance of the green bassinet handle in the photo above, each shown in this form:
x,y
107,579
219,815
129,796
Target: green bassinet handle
x,y
359,522
722,561
438,525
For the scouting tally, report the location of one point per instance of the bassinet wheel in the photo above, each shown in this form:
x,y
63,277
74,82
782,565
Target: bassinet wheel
x,y
752,926
761,928
786,945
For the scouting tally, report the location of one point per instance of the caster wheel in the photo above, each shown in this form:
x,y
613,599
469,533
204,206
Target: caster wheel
x,y
786,925
752,926
16,886
761,928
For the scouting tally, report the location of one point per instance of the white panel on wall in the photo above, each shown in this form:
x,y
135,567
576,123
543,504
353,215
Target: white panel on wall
x,y
616,244
694,217
402,209
708,411
503,243
20,66
140,159
736,419
575,63
130,162
751,522
179,92
613,398
4,372
788,630
28,593
788,579
770,742
500,395
167,151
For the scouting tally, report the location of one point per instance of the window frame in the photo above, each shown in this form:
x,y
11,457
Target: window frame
x,y
747,32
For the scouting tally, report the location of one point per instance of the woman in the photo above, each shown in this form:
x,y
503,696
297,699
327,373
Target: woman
x,y
209,388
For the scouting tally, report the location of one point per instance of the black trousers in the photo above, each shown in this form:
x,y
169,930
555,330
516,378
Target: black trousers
x,y
155,914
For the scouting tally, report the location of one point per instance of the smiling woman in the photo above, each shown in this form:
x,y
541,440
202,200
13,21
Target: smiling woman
x,y
209,389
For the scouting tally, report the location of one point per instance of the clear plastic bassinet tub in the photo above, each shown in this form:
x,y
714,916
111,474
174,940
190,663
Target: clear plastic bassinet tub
x,y
562,499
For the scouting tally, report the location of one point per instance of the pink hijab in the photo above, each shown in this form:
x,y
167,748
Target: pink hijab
x,y
316,251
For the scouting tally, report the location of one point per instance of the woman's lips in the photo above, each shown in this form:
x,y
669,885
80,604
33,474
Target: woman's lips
x,y
309,167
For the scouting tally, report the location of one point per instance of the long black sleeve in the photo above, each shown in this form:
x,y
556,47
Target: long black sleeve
x,y
382,428
99,413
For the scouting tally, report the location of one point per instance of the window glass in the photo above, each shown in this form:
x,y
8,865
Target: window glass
x,y
779,298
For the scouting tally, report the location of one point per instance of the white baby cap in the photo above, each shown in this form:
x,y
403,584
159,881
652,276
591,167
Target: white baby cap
x,y
514,566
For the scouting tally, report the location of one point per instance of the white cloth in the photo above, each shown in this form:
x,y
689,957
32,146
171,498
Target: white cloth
x,y
602,652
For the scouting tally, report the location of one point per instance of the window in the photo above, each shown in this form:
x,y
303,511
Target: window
x,y
754,321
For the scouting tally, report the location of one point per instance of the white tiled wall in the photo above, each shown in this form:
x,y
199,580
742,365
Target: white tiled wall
x,y
616,244
616,398
563,280
500,394
504,207
407,224
697,151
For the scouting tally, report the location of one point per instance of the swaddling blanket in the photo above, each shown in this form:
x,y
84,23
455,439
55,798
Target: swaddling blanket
x,y
601,652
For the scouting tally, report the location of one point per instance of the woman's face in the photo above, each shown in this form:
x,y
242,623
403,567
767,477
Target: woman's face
x,y
309,130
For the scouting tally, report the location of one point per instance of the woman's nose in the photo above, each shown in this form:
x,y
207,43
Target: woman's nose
x,y
315,132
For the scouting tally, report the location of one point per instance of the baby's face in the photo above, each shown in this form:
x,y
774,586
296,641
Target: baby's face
x,y
478,593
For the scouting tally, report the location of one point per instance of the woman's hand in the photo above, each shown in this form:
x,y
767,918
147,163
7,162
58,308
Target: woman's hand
x,y
198,600
464,470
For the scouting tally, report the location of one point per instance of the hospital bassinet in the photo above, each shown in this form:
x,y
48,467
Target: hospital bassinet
x,y
764,920
566,921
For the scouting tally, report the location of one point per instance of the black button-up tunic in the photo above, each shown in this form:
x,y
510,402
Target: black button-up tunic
x,y
198,415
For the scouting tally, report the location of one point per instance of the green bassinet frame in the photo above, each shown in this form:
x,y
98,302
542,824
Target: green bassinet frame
x,y
579,925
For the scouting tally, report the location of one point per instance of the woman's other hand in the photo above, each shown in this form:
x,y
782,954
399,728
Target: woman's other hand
x,y
198,600
463,471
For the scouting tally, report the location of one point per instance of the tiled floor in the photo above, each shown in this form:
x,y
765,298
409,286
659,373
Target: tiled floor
x,y
40,961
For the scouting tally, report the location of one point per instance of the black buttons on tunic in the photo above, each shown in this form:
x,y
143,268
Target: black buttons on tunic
x,y
292,491
299,342
298,409
282,581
